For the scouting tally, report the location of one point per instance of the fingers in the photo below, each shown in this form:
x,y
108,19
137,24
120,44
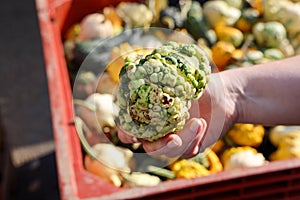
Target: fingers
x,y
163,146
193,148
125,137
196,134
184,143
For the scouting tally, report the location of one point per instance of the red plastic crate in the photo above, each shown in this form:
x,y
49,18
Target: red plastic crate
x,y
276,180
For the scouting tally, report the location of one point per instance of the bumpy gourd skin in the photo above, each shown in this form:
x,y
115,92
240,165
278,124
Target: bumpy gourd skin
x,y
155,92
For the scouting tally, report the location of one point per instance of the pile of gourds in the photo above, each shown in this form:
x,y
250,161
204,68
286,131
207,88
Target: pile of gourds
x,y
234,33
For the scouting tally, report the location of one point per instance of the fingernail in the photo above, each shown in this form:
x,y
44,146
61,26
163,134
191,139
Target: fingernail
x,y
195,125
135,140
196,150
174,143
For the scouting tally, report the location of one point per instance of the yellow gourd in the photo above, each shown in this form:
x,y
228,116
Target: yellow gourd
x,y
245,156
222,54
277,133
238,54
288,146
186,168
249,17
111,14
229,34
197,166
246,134
118,55
257,4
243,25
220,13
218,146
285,153
73,32
215,164
229,152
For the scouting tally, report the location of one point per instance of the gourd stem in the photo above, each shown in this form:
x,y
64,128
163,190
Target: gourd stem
x,y
185,7
85,104
161,172
246,44
86,146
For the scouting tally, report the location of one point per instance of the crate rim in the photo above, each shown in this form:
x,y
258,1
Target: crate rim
x,y
238,173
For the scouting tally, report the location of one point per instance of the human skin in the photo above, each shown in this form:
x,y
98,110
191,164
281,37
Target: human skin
x,y
266,94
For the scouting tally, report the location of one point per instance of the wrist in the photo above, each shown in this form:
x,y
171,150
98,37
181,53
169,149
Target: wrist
x,y
233,95
223,111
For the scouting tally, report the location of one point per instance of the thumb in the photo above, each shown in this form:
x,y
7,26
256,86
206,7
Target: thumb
x,y
192,136
184,143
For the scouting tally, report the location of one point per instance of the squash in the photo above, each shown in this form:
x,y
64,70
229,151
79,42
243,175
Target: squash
x,y
214,160
290,17
111,14
273,54
98,159
236,157
269,34
285,12
222,54
209,160
238,54
248,18
139,179
197,25
257,5
288,146
228,152
254,56
73,32
288,48
85,84
229,34
246,134
186,168
202,164
219,13
97,111
170,17
235,3
108,167
218,147
156,6
135,15
94,26
272,8
202,159
118,55
277,133
285,153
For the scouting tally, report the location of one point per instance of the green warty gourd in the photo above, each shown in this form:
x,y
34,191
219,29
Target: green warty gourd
x,y
155,91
